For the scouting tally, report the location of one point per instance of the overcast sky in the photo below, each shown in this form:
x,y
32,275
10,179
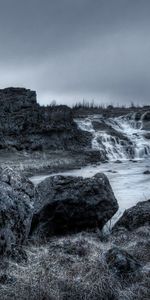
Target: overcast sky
x,y
73,49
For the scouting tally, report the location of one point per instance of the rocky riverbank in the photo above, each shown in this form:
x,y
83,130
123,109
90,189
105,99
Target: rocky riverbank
x,y
36,162
40,139
55,138
52,245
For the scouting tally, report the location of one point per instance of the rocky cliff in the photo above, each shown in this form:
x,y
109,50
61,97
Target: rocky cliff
x,y
24,124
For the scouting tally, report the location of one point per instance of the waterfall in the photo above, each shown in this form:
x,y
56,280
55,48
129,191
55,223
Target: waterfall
x,y
118,138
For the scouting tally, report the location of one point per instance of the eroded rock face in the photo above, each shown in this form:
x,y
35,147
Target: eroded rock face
x,y
134,217
16,197
71,204
14,99
26,125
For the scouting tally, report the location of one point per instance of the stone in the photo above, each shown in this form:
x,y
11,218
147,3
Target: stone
x,y
16,209
147,172
146,121
134,217
121,262
147,136
72,204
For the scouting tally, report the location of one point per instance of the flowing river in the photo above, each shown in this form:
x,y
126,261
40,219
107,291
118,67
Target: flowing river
x,y
124,143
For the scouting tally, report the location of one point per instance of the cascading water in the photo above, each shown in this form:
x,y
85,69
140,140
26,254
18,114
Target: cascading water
x,y
123,138
118,138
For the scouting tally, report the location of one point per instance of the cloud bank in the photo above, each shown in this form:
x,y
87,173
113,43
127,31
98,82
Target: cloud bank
x,y
69,50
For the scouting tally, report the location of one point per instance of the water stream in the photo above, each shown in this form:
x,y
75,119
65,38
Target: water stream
x,y
118,138
122,140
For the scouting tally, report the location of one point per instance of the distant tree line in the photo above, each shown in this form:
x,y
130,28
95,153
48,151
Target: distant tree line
x,y
85,104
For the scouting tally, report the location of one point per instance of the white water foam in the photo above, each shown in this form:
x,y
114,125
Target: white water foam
x,y
128,181
131,142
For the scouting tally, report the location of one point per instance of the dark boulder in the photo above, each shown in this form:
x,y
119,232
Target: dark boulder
x,y
121,262
118,161
137,116
147,136
93,156
100,125
16,197
72,204
134,217
147,172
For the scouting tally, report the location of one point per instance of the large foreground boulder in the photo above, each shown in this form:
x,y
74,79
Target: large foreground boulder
x,y
71,204
134,217
16,196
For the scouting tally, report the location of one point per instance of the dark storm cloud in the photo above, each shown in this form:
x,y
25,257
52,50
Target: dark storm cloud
x,y
70,49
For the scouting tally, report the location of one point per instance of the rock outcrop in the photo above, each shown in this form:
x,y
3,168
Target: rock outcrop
x,y
72,204
24,124
134,217
16,197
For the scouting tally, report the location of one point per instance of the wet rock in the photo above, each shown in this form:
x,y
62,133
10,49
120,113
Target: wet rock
x,y
102,126
134,217
93,156
146,121
147,172
121,262
118,161
137,116
134,160
72,204
147,136
16,197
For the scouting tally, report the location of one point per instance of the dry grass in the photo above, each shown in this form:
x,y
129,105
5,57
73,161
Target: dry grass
x,y
74,267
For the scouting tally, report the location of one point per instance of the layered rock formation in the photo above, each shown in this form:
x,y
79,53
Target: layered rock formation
x,y
26,125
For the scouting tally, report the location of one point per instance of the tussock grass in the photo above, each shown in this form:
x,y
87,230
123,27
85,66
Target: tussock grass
x,y
75,268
